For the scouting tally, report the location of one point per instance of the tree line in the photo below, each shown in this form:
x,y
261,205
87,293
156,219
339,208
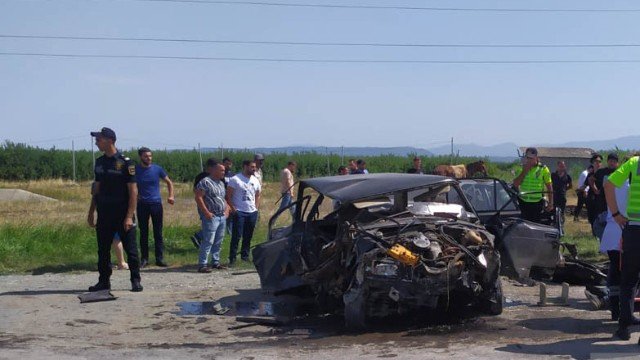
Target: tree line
x,y
24,162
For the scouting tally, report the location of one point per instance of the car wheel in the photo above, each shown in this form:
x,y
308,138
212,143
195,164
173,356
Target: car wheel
x,y
492,302
355,309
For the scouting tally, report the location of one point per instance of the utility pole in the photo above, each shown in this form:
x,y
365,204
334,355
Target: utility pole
x,y
326,151
93,157
342,157
200,153
73,157
451,158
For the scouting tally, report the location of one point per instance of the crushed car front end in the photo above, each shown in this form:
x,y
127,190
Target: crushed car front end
x,y
394,244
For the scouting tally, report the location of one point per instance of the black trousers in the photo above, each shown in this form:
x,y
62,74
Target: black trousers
x,y
155,212
243,225
111,221
582,197
613,281
560,201
592,211
630,274
531,211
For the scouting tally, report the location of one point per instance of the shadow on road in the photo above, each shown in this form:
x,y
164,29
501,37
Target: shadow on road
x,y
63,268
42,292
576,349
569,325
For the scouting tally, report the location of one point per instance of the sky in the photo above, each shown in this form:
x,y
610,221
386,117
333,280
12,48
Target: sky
x,y
177,103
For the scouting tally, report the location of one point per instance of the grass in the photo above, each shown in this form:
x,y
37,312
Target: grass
x,y
53,237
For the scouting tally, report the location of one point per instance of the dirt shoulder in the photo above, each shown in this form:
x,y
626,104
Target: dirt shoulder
x,y
42,318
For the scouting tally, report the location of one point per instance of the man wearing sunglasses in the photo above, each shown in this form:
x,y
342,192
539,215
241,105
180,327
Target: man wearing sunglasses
x,y
533,182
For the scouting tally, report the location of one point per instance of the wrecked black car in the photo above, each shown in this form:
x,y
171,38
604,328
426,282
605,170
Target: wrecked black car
x,y
376,245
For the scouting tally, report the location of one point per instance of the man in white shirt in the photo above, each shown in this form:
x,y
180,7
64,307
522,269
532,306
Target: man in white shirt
x,y
243,196
259,160
286,186
581,192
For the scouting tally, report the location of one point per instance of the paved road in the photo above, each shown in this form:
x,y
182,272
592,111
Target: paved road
x,y
43,319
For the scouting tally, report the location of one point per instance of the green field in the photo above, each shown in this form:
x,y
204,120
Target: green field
x,y
54,237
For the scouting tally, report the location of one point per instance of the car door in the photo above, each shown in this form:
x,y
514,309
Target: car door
x,y
488,196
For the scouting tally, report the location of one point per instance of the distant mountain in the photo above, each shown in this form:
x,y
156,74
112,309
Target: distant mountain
x,y
509,152
347,151
623,143
503,152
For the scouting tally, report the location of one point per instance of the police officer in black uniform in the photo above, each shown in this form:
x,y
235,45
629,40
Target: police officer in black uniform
x,y
116,199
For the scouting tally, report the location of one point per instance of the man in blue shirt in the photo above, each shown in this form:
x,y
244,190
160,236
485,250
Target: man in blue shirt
x,y
148,177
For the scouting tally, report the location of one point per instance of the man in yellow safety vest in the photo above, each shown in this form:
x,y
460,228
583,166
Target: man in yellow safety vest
x,y
532,182
630,223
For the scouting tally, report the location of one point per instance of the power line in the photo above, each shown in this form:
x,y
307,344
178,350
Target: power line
x,y
291,60
383,7
310,43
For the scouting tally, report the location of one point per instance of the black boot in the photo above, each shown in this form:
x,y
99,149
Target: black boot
x,y
622,333
99,287
136,286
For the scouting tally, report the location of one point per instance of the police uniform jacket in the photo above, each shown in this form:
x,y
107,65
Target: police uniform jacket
x,y
114,173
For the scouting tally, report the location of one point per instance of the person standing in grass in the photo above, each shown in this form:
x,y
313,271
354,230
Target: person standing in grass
x,y
581,191
352,166
116,198
213,209
361,167
228,170
259,160
286,186
592,211
228,174
600,203
243,196
561,182
417,166
196,238
148,176
532,182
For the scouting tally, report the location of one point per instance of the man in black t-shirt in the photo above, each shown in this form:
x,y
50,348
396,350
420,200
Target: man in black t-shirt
x,y
561,182
592,213
599,201
596,182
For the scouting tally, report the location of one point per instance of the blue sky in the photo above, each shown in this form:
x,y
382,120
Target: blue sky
x,y
177,103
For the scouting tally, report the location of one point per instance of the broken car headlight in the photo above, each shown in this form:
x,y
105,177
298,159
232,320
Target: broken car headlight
x,y
384,269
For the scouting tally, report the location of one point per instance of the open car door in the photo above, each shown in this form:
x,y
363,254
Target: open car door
x,y
528,249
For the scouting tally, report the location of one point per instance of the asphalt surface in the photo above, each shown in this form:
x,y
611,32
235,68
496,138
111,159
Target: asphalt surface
x,y
42,318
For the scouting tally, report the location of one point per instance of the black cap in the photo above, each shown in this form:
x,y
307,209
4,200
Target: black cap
x,y
258,156
612,156
532,151
105,132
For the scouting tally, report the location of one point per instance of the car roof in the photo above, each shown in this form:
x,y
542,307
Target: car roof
x,y
349,188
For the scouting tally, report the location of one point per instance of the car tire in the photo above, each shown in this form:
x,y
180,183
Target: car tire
x,y
492,302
